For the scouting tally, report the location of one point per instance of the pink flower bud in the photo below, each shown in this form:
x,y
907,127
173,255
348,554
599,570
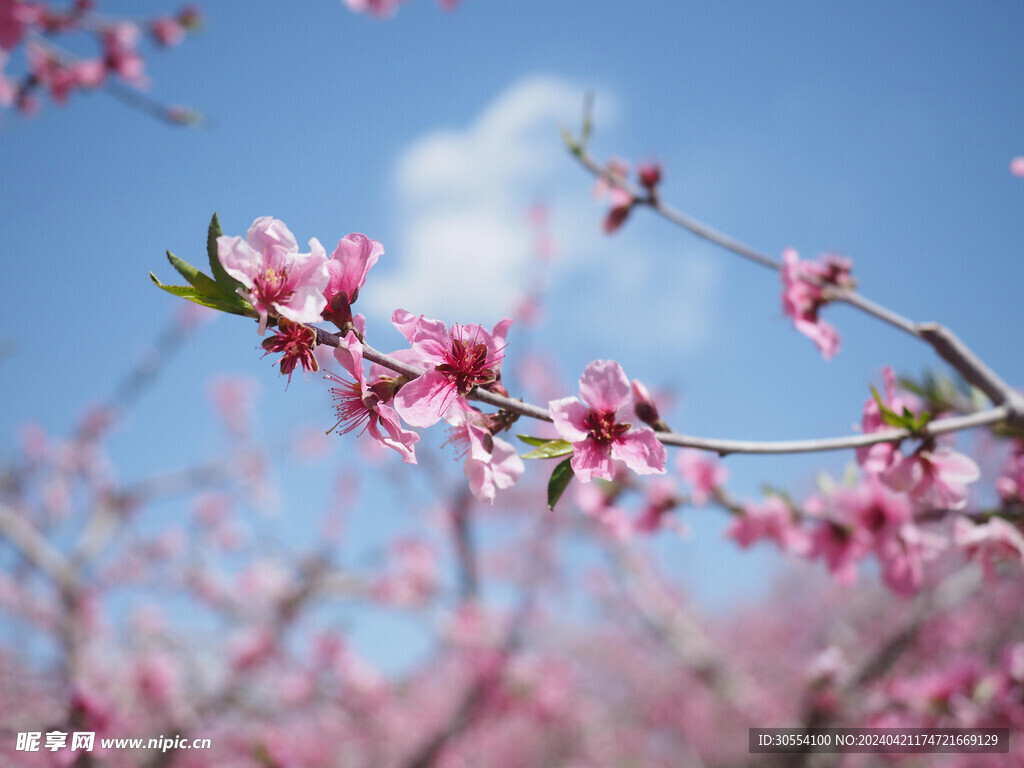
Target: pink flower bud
x,y
649,175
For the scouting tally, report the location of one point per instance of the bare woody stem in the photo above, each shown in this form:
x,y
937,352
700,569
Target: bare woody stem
x,y
945,344
996,415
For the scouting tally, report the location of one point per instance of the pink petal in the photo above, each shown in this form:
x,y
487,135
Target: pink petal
x,y
496,345
905,474
401,440
954,467
569,415
641,452
825,337
267,232
424,401
350,262
238,259
604,386
589,459
349,355
481,480
506,464
429,337
307,277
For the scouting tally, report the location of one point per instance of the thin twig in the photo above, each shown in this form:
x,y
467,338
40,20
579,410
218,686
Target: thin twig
x,y
945,344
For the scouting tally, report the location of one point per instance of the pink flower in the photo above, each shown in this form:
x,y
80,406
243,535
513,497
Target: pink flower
x,y
296,342
612,184
8,89
157,678
50,72
597,427
1010,484
457,360
645,408
613,178
413,577
382,9
167,31
803,296
902,554
649,174
360,404
622,205
660,500
995,539
15,16
872,508
347,267
491,463
933,476
703,472
1017,167
119,52
278,280
841,546
876,459
771,520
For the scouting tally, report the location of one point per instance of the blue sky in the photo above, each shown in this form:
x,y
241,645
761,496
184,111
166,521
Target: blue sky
x,y
877,130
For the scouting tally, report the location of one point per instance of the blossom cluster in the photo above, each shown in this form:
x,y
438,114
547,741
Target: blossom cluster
x,y
613,184
34,26
610,432
292,290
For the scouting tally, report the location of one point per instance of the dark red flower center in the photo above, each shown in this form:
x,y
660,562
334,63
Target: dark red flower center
x,y
467,365
603,427
874,518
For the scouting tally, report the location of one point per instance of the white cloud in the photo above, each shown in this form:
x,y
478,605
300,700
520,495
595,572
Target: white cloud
x,y
463,197
464,246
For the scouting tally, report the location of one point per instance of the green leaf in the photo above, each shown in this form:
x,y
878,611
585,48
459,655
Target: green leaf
x,y
889,416
532,440
216,268
233,305
193,275
213,294
551,449
560,478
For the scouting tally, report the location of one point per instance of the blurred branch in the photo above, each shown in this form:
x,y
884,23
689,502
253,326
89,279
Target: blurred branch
x,y
465,550
474,698
950,593
37,550
672,626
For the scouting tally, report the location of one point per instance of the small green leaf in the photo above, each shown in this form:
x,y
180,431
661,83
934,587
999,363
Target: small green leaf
x,y
216,268
889,416
570,140
918,424
560,478
213,294
203,283
224,280
535,441
551,449
894,420
234,305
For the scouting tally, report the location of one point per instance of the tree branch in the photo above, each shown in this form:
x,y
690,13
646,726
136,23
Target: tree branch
x,y
945,344
987,417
